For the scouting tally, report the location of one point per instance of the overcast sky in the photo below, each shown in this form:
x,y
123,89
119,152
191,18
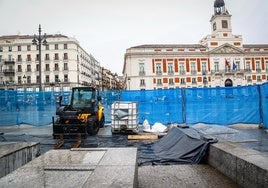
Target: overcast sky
x,y
106,28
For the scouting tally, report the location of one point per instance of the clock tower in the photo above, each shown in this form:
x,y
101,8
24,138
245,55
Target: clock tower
x,y
221,19
221,28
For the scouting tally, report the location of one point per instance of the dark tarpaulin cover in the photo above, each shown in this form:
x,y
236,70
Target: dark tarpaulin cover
x,y
179,146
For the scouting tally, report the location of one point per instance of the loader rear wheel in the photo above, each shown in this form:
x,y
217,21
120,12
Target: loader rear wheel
x,y
92,127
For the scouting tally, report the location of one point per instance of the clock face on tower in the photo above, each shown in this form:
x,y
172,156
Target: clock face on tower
x,y
224,24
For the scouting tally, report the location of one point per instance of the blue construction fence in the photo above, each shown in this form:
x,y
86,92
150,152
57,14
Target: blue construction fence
x,y
221,106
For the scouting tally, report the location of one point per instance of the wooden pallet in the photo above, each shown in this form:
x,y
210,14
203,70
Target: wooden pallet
x,y
143,137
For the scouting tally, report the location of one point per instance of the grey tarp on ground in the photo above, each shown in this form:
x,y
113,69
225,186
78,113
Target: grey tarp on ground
x,y
179,146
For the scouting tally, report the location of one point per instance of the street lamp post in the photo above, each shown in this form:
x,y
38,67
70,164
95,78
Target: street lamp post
x,y
38,41
129,83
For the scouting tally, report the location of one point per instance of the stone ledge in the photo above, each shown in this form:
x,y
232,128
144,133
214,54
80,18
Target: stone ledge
x,y
247,167
102,167
16,154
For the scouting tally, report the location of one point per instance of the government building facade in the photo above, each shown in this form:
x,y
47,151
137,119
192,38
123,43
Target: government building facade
x,y
218,60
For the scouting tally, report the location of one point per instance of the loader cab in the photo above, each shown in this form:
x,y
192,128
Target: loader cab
x,y
84,98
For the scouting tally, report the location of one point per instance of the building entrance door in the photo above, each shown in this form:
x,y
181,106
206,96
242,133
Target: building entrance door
x,y
228,83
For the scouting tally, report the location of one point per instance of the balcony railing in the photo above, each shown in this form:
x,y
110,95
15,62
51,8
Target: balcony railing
x,y
193,72
170,72
158,72
182,72
9,61
258,70
9,70
142,73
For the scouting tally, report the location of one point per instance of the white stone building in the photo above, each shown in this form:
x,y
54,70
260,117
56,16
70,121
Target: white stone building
x,y
219,60
64,64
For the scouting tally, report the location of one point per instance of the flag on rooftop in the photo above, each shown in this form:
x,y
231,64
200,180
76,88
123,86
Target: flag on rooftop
x,y
234,66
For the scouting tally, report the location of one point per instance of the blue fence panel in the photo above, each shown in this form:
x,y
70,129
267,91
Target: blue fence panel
x,y
108,98
264,104
26,108
162,106
223,106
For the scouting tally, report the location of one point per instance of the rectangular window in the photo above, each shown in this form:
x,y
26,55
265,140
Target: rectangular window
x,y
47,78
0,58
47,67
56,46
193,68
37,57
37,79
10,58
19,58
142,82
65,46
65,77
248,66
159,82
204,67
56,67
158,68
65,66
141,67
56,56
29,68
216,66
37,67
28,47
170,68
19,68
57,78
182,80
19,80
28,79
29,57
266,66
65,56
258,66
1,48
47,57
170,81
237,63
47,46
182,68
19,48
10,48
194,81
